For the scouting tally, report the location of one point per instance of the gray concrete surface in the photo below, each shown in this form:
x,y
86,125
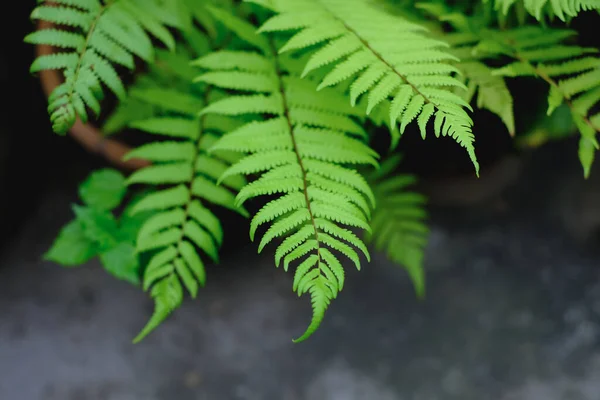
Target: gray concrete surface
x,y
512,313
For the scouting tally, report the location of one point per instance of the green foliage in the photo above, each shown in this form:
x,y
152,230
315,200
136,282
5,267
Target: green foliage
x,y
276,105
398,225
103,189
479,78
184,176
183,180
563,9
104,34
557,126
571,72
96,231
302,152
383,55
72,247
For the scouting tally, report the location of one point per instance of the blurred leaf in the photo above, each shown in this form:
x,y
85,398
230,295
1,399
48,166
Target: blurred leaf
x,y
492,92
130,224
127,111
122,262
98,226
559,125
587,151
72,247
103,189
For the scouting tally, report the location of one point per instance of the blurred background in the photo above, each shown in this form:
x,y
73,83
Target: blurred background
x,y
513,286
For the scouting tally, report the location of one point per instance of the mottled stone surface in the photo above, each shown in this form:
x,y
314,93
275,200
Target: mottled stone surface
x,y
512,313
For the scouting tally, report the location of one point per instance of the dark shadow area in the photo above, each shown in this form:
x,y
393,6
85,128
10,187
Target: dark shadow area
x,y
32,159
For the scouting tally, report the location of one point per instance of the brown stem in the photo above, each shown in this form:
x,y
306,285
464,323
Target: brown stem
x,y
288,118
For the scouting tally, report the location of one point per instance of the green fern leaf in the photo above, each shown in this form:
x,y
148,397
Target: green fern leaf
x,y
181,223
381,53
177,127
492,92
398,226
576,82
57,38
563,9
304,130
233,60
106,33
570,71
167,99
164,151
163,199
241,28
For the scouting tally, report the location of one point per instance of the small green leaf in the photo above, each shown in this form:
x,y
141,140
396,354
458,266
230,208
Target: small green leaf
x,y
121,261
98,226
71,248
103,189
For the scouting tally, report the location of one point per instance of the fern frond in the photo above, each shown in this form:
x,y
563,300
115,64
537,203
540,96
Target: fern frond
x,y
302,130
384,56
572,73
563,9
398,225
105,34
186,175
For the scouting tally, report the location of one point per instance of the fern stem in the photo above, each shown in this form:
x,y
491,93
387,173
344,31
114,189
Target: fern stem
x,y
288,119
84,50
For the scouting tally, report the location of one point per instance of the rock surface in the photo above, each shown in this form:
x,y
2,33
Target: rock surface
x,y
512,313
